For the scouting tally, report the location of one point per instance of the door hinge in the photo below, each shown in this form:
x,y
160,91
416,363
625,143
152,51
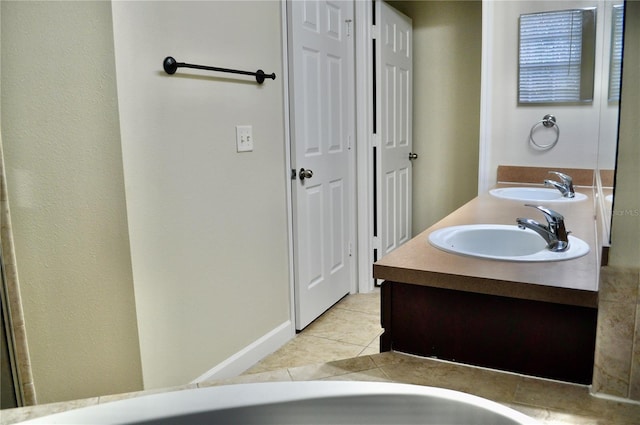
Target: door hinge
x,y
348,22
350,250
375,32
374,140
375,242
349,142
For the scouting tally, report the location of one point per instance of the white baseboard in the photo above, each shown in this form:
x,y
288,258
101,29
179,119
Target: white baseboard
x,y
251,354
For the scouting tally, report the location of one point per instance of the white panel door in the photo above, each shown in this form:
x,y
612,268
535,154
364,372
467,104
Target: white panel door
x,y
394,70
322,125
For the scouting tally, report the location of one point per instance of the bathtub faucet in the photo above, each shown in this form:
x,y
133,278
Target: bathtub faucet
x,y
565,186
554,233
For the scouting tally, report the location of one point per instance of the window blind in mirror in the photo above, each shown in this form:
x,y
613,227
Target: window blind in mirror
x,y
615,70
551,57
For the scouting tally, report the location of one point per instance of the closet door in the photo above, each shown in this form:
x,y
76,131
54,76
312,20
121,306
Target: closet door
x,y
394,71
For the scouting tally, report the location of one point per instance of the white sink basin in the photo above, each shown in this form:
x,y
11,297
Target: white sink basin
x,y
502,242
534,194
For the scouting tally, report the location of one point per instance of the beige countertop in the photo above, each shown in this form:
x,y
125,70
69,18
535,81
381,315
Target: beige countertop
x,y
573,282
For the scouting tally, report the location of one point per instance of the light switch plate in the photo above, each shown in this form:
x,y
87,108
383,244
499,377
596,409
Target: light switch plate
x,y
244,138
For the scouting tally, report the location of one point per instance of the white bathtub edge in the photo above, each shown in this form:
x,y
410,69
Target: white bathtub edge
x,y
193,401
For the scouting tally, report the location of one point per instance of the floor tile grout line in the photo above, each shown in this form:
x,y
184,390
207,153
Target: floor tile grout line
x,y
337,340
368,313
290,375
360,308
375,338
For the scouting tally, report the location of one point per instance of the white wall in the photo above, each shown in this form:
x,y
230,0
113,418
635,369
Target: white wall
x,y
510,123
208,226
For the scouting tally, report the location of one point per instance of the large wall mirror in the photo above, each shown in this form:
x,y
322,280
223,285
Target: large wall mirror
x,y
557,56
589,123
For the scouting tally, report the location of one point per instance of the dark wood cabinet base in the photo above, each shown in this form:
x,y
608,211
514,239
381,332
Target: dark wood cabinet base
x,y
530,337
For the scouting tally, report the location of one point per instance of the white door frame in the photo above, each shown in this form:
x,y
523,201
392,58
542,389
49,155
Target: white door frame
x,y
364,142
287,171
363,163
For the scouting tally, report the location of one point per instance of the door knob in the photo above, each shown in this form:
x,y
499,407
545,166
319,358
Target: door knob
x,y
413,155
305,174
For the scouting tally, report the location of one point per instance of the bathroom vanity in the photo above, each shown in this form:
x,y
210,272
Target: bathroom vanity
x,y
536,318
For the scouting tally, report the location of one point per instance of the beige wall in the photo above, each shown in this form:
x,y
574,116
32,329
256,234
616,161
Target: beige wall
x,y
447,52
617,355
208,225
625,228
61,140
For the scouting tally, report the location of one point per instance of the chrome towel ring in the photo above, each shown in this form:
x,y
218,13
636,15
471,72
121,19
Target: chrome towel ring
x,y
549,121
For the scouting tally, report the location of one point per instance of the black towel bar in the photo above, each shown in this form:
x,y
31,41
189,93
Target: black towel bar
x,y
171,66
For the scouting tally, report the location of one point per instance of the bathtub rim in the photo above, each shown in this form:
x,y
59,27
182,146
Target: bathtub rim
x,y
199,400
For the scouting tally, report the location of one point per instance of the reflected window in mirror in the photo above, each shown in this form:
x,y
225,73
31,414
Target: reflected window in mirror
x,y
615,63
557,57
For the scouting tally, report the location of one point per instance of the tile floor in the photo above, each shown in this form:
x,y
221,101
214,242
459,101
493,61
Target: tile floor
x,y
343,345
351,328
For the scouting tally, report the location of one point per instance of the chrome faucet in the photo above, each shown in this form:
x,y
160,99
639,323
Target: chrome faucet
x,y
554,232
565,186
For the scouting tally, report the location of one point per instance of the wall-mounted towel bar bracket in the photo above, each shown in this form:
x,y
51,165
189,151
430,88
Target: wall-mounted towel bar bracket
x,y
171,66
